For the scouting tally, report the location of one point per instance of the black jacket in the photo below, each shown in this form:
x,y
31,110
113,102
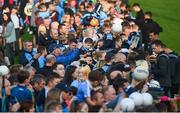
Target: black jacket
x,y
46,71
151,25
140,19
177,72
172,60
162,70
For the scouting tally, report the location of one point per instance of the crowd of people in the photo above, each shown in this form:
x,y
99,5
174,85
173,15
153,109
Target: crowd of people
x,y
84,56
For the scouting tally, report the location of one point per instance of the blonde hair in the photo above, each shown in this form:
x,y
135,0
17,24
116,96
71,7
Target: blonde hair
x,y
85,70
41,29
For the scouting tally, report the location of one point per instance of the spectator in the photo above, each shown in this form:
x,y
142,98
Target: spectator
x,y
84,88
52,106
52,81
162,70
10,37
27,54
71,74
48,68
21,92
27,106
38,82
59,69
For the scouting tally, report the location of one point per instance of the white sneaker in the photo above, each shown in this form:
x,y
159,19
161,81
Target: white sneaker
x,y
30,32
28,29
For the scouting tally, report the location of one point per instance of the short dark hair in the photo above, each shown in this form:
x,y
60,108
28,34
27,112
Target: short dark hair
x,y
73,40
95,75
149,13
41,49
61,24
37,78
88,40
15,68
22,76
136,5
159,43
26,106
52,76
94,96
119,83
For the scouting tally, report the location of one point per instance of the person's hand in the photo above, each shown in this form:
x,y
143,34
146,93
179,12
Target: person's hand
x,y
20,27
15,107
30,87
36,56
152,58
145,88
132,46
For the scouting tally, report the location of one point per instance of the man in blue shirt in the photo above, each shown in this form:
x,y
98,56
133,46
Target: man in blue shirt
x,y
21,91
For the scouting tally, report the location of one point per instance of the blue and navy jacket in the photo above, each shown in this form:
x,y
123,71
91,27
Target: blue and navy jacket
x,y
26,57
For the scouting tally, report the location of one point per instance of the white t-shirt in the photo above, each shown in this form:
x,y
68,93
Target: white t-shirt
x,y
15,20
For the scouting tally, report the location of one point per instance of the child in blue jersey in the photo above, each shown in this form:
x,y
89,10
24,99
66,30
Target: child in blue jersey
x,y
84,87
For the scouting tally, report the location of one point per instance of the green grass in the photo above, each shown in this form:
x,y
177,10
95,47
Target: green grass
x,y
167,14
26,36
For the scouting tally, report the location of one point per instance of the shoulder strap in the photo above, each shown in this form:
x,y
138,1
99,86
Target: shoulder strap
x,y
164,55
173,56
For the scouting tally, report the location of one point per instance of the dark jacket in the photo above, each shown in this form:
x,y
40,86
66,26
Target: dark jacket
x,y
40,101
26,57
140,19
151,25
172,60
44,40
108,41
177,71
46,70
162,70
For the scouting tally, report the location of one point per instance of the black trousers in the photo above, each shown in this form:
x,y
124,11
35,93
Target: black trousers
x,y
9,51
17,41
166,91
174,89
